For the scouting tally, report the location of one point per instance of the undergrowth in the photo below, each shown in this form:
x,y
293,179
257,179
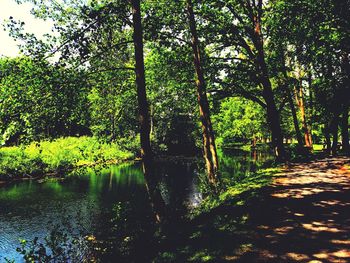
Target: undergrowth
x,y
60,155
233,191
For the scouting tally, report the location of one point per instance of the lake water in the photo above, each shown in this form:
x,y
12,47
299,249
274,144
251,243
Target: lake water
x,y
86,199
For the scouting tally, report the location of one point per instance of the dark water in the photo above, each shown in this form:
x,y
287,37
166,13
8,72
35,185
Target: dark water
x,y
86,199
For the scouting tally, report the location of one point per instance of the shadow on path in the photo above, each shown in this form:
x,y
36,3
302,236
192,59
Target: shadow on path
x,y
303,217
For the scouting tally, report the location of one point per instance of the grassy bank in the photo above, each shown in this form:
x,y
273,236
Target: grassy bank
x,y
55,157
237,192
219,225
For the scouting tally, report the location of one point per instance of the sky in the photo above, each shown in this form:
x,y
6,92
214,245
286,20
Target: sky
x,y
8,47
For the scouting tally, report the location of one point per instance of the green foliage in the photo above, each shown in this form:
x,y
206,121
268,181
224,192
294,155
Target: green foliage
x,y
314,37
318,147
166,257
250,183
39,158
239,120
172,98
201,256
39,101
255,55
91,88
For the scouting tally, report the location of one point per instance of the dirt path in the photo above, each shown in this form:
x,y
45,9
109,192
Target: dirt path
x,y
304,218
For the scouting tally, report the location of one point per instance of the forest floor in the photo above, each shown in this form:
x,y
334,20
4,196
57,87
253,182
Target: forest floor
x,y
303,216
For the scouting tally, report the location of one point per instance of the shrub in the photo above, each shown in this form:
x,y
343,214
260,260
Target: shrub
x,y
57,156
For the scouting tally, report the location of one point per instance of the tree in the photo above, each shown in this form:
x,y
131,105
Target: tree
x,y
36,101
166,28
146,150
173,104
210,154
87,32
317,50
240,121
234,31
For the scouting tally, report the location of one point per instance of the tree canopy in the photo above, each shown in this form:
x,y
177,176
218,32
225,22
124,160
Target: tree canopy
x,y
274,71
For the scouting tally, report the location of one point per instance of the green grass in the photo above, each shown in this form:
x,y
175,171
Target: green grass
x,y
57,156
220,225
238,192
242,147
317,147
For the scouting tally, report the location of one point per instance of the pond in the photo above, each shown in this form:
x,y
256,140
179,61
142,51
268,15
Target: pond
x,y
86,198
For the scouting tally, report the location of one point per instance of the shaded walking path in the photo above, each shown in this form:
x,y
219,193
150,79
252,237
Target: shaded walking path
x,y
307,216
303,217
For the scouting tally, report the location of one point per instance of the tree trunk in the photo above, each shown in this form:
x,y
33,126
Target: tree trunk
x,y
254,142
290,99
273,120
273,117
299,95
210,154
328,139
151,121
146,150
334,131
345,113
295,120
345,130
311,109
113,128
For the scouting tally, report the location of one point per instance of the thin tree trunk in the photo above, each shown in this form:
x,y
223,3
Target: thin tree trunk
x,y
151,121
254,141
345,130
210,153
113,132
146,150
295,121
300,100
311,109
273,117
290,99
273,120
345,113
334,131
328,139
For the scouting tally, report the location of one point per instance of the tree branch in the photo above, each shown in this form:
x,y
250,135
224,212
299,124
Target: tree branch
x,y
238,91
110,69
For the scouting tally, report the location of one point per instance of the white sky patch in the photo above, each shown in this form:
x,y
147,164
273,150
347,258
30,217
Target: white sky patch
x,y
8,47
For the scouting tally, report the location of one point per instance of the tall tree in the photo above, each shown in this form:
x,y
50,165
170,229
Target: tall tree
x,y
234,30
146,150
210,154
287,84
320,50
299,97
273,117
345,130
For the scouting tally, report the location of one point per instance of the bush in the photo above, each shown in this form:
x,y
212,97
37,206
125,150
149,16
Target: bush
x,y
57,156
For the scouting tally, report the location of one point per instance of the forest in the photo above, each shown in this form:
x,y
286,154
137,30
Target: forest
x,y
145,96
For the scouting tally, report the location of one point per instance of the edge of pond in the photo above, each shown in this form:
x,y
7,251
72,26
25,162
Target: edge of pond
x,y
60,174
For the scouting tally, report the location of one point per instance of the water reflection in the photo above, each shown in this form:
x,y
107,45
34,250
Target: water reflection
x,y
236,164
29,209
179,183
86,198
